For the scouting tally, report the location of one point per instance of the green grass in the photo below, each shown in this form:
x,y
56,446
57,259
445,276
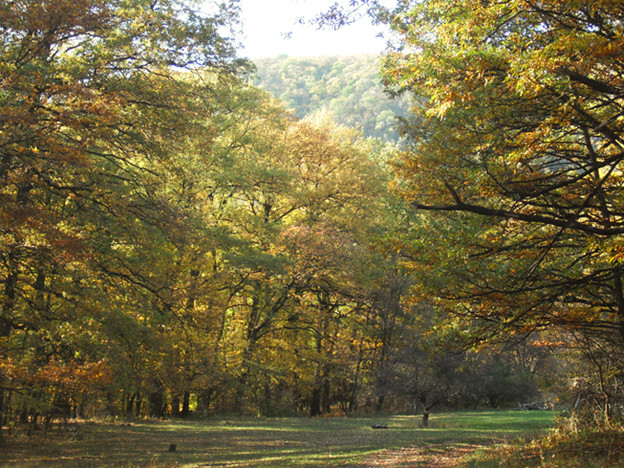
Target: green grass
x,y
246,442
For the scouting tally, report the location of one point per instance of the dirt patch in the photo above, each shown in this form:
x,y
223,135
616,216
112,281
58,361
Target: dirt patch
x,y
433,456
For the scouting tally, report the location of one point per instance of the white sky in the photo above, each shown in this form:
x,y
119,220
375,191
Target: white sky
x,y
267,22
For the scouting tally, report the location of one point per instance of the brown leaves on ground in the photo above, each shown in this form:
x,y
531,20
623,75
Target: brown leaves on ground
x,y
433,456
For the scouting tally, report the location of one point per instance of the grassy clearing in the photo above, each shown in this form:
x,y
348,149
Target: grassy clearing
x,y
275,442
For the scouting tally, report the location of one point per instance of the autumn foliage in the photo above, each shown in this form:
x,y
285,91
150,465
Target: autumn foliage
x,y
516,146
174,241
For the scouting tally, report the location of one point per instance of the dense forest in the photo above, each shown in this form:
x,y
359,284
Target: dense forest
x,y
349,89
175,241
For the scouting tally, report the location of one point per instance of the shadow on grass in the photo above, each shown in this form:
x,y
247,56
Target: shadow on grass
x,y
244,442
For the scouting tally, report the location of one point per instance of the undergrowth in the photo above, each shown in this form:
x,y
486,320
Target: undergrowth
x,y
569,445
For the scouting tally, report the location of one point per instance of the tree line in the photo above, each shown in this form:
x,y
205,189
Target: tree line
x,y
175,241
514,161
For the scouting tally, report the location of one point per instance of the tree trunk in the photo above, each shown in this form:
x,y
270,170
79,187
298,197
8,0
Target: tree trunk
x,y
186,404
129,404
425,418
252,338
138,405
10,287
157,404
619,299
380,401
2,405
427,411
175,406
325,387
240,400
315,401
204,401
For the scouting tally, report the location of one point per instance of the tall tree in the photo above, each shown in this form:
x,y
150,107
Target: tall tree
x,y
517,144
94,104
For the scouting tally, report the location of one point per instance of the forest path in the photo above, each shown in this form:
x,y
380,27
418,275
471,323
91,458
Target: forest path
x,y
433,456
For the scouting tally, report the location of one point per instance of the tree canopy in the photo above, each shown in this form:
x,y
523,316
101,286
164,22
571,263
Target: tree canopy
x,y
174,239
517,145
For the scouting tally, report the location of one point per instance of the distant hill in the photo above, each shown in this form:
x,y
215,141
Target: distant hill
x,y
349,88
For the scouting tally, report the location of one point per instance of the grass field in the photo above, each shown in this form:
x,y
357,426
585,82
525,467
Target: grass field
x,y
274,442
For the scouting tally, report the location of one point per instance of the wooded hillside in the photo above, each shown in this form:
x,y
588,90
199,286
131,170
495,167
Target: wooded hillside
x,y
348,88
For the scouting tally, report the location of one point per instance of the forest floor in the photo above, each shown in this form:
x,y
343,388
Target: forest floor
x,y
275,442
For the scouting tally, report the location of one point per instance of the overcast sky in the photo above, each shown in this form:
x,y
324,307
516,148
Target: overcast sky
x,y
267,23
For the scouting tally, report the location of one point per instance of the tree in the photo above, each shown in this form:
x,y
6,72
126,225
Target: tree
x,y
95,102
517,146
295,189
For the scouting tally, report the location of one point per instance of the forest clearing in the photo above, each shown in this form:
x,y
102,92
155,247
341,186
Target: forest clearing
x,y
268,442
219,256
